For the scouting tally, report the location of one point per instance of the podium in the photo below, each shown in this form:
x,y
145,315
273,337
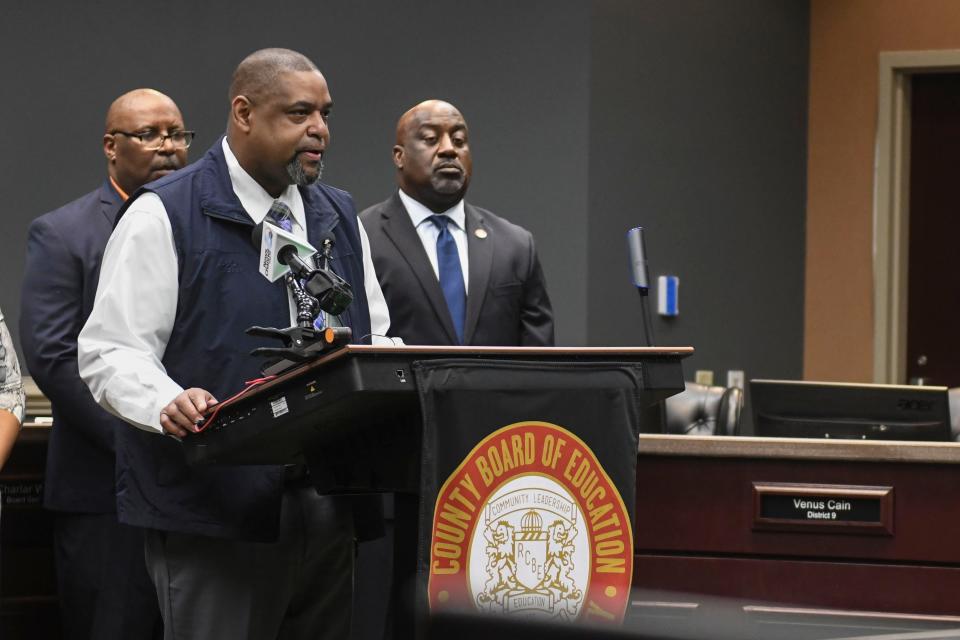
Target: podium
x,y
368,394
364,420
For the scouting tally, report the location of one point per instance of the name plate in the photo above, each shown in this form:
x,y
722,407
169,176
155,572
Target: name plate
x,y
833,508
21,491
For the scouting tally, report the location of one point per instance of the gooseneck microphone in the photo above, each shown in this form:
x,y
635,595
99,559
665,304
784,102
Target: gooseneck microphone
x,y
637,252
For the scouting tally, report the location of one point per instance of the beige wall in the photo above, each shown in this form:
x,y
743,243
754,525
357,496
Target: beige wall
x,y
846,37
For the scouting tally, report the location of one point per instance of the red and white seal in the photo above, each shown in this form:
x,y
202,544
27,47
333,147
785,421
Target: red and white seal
x,y
530,524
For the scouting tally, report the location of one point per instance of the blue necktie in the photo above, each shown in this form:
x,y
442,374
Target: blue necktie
x,y
451,275
280,214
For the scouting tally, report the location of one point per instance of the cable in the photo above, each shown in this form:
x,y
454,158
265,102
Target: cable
x,y
250,384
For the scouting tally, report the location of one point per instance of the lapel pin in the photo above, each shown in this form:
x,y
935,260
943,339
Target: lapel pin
x,y
480,233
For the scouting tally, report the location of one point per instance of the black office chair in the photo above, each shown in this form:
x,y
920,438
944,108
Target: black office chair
x,y
701,410
954,396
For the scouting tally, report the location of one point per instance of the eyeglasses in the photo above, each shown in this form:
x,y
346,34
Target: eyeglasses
x,y
153,140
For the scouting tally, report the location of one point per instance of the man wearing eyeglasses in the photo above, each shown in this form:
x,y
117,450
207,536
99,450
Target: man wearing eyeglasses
x,y
103,585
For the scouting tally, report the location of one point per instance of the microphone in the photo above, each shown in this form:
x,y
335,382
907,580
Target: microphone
x,y
274,243
637,250
282,252
289,257
332,292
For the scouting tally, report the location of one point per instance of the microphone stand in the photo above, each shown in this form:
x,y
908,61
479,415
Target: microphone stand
x,y
652,417
645,316
307,305
303,342
637,252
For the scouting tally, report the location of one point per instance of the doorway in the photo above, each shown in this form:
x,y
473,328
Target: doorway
x,y
933,255
916,216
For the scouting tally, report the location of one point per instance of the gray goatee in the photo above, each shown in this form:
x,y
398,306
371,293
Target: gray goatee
x,y
299,176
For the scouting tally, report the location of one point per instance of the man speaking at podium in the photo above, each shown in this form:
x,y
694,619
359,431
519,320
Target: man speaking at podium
x,y
452,273
234,552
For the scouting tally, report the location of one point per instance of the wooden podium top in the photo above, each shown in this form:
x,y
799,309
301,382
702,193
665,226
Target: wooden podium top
x,y
414,349
430,348
799,448
434,351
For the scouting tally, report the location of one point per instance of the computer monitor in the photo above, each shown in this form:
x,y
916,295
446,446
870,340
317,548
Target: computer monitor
x,y
799,409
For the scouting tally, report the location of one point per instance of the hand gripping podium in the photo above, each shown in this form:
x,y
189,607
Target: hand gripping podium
x,y
514,468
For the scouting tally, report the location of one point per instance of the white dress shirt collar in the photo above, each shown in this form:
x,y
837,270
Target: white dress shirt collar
x,y
254,198
419,213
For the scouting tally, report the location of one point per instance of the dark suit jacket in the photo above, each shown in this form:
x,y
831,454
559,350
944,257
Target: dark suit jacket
x,y
507,302
64,250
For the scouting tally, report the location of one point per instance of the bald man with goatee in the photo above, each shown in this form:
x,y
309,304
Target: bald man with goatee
x,y
102,580
452,273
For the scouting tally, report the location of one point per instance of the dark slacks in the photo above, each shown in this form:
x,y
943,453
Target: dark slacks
x,y
102,580
296,588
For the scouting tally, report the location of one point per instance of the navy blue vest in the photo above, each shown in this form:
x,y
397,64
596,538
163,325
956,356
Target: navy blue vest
x,y
221,294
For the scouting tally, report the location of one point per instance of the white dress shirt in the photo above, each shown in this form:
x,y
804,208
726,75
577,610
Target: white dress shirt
x,y
428,232
121,346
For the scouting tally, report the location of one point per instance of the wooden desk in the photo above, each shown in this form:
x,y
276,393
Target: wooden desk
x,y
702,530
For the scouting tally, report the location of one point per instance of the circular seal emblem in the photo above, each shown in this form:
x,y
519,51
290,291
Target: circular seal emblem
x,y
530,524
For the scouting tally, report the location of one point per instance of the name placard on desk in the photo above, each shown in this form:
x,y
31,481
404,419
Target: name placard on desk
x,y
823,508
21,491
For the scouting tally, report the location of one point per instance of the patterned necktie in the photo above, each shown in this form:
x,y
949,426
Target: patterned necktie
x,y
280,214
451,275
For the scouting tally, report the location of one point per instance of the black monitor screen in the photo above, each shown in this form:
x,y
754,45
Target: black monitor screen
x,y
795,409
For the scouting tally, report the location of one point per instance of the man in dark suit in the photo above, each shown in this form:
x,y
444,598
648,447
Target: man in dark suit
x,y
452,273
102,580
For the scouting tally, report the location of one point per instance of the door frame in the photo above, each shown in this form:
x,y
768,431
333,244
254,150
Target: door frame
x,y
891,212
